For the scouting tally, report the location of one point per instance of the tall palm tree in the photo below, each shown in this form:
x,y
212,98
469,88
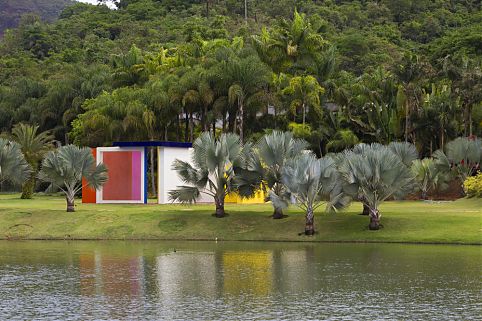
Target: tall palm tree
x,y
312,182
306,92
212,172
34,146
375,174
65,168
243,80
292,46
13,166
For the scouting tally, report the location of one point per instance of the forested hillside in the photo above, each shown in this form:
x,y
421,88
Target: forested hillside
x,y
12,10
334,72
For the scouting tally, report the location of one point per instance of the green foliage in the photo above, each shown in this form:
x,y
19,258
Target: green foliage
x,y
214,162
264,168
313,182
389,70
428,177
34,146
462,156
13,166
374,173
65,168
473,186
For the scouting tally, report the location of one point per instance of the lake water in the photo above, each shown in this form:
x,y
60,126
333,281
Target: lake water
x,y
238,281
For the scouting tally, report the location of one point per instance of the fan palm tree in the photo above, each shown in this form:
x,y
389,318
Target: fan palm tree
x,y
375,174
406,152
312,182
428,177
67,166
271,154
34,146
13,166
462,156
212,172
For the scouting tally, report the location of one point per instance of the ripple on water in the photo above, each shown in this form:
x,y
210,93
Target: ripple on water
x,y
140,281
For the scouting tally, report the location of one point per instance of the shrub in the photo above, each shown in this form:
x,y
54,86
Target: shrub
x,y
473,185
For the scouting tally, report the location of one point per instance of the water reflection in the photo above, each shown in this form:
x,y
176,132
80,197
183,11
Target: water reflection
x,y
207,281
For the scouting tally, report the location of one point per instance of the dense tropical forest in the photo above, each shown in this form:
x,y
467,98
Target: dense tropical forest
x,y
333,72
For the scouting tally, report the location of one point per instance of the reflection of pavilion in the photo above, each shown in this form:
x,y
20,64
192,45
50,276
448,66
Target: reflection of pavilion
x,y
248,272
111,275
183,274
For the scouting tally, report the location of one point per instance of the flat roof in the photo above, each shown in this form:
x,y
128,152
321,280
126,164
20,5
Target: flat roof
x,y
153,143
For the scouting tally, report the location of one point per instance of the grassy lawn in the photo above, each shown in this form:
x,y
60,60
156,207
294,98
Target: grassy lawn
x,y
407,221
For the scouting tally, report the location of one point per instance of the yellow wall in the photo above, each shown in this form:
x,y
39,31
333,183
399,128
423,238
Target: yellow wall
x,y
234,198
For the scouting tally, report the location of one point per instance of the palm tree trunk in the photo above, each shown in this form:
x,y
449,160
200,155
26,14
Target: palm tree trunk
x,y
241,121
28,188
191,127
70,202
374,219
205,118
277,213
310,222
406,122
219,207
246,11
470,122
424,194
442,137
366,210
186,129
304,115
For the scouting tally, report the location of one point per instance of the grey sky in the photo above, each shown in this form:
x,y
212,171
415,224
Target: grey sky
x,y
92,2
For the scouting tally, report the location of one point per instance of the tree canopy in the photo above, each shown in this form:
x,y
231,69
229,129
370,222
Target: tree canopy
x,y
334,72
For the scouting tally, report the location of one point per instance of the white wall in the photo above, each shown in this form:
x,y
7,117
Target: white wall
x,y
167,177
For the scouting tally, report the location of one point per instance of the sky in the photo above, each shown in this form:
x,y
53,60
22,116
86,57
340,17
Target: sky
x,y
93,2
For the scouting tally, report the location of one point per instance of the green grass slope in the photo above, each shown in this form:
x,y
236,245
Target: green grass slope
x,y
407,221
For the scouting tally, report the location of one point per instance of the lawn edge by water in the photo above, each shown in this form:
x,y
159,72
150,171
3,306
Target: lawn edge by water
x,y
241,240
406,222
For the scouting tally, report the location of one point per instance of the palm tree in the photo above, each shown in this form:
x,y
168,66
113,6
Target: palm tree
x,y
13,166
212,172
243,80
428,177
375,174
306,92
293,46
34,146
271,154
462,156
312,182
406,152
67,166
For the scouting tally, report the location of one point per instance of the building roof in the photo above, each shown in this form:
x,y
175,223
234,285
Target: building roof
x,y
152,144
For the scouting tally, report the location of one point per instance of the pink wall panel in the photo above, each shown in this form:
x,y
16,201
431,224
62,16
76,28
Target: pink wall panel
x,y
121,176
136,171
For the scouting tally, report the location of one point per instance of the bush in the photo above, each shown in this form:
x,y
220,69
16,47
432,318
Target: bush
x,y
473,185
